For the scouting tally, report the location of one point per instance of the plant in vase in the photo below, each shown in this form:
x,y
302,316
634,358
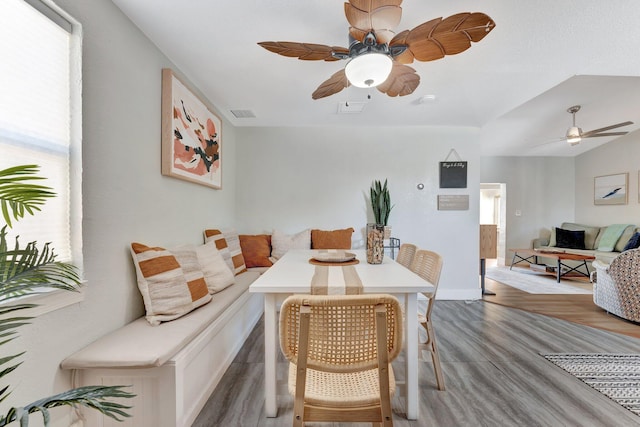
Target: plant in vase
x,y
26,271
376,233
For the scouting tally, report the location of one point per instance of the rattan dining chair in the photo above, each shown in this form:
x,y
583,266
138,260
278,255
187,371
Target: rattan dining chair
x,y
428,265
340,349
406,254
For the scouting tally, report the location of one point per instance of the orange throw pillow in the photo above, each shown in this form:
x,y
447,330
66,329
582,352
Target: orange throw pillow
x,y
256,250
334,239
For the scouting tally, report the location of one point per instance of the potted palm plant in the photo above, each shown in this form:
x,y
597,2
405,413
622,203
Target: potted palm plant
x,y
25,271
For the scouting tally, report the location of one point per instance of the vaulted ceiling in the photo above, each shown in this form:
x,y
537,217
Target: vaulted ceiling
x,y
514,86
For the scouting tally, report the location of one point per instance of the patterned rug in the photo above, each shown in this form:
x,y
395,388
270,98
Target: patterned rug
x,y
617,376
537,283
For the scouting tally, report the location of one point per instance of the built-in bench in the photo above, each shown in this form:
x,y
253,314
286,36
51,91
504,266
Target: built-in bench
x,y
174,367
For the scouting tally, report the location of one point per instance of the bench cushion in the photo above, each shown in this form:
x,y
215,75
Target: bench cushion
x,y
140,345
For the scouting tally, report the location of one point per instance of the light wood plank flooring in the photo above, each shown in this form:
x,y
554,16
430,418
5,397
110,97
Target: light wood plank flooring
x,y
577,308
493,371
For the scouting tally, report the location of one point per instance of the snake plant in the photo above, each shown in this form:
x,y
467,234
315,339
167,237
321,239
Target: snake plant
x,y
380,202
24,271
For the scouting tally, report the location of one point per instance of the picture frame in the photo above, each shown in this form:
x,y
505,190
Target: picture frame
x,y
453,174
191,134
611,189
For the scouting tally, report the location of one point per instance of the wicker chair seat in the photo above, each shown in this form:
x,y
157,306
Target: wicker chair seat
x,y
341,390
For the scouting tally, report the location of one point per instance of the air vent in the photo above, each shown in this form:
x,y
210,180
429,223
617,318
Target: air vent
x,y
243,114
351,107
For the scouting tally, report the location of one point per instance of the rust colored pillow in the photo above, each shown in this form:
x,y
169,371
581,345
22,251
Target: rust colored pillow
x,y
334,239
256,250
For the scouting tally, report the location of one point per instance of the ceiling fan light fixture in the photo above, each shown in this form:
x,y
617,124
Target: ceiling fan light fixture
x,y
369,69
574,135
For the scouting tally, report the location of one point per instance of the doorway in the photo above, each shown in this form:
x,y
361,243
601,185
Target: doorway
x,y
493,210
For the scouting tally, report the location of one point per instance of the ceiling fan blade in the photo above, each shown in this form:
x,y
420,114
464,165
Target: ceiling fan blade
x,y
449,36
594,135
600,130
377,16
402,81
332,85
304,51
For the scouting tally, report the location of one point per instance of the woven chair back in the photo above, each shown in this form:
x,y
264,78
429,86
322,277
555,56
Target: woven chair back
x,y
428,265
342,332
406,254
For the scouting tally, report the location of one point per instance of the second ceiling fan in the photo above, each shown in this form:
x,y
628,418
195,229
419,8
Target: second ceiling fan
x,y
378,56
575,134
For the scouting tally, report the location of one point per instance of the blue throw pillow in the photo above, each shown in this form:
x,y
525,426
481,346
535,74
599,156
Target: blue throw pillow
x,y
569,239
634,242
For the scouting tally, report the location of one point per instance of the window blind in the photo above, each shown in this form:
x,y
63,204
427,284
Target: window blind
x,y
35,115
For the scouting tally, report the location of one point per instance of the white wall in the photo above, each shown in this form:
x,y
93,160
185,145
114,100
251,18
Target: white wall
x,y
125,197
297,178
619,156
541,188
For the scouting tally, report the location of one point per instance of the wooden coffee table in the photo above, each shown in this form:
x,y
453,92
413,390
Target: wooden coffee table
x,y
531,256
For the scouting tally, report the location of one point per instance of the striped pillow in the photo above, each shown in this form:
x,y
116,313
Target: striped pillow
x,y
228,243
171,284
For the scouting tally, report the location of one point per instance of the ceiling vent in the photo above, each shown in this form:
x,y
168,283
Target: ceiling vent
x,y
243,114
350,107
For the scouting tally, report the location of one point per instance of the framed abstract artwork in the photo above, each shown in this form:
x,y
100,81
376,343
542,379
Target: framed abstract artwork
x,y
611,189
191,135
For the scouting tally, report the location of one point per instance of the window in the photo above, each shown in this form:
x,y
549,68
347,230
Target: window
x,y
40,119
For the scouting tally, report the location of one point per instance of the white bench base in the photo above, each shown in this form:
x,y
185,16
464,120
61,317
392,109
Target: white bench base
x,y
172,395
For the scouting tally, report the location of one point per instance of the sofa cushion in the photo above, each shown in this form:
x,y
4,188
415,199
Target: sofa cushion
x,y
215,269
590,234
282,242
228,243
570,238
609,237
138,345
633,242
256,250
626,235
333,239
171,284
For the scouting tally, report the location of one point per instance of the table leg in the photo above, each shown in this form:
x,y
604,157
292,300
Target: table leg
x,y
559,270
270,355
411,352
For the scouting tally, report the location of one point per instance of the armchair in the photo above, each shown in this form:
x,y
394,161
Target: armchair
x,y
616,286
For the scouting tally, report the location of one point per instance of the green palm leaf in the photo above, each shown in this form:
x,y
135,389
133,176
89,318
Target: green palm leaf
x,y
19,196
25,269
96,397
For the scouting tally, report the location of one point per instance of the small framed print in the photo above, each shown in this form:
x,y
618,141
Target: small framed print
x,y
611,189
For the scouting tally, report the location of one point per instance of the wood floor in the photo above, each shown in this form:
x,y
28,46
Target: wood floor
x,y
577,308
493,370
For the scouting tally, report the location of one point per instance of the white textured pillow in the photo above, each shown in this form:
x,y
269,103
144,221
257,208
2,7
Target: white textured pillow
x,y
281,242
215,269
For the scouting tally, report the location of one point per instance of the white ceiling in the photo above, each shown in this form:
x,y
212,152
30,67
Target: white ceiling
x,y
515,85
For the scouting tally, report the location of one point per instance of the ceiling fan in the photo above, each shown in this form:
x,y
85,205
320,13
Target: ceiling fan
x,y
377,55
575,135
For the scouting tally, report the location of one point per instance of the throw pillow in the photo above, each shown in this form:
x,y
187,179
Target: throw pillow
x,y
228,243
633,243
334,239
215,269
256,250
282,242
569,239
168,290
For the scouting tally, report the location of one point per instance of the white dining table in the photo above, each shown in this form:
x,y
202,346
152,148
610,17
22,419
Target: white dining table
x,y
294,273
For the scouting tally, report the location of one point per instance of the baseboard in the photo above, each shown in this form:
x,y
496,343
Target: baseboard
x,y
459,294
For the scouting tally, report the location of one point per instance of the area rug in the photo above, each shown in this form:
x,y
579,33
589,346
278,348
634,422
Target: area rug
x,y
536,283
617,376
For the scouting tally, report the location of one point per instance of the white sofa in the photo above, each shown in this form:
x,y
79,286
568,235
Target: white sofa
x,y
593,235
174,367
